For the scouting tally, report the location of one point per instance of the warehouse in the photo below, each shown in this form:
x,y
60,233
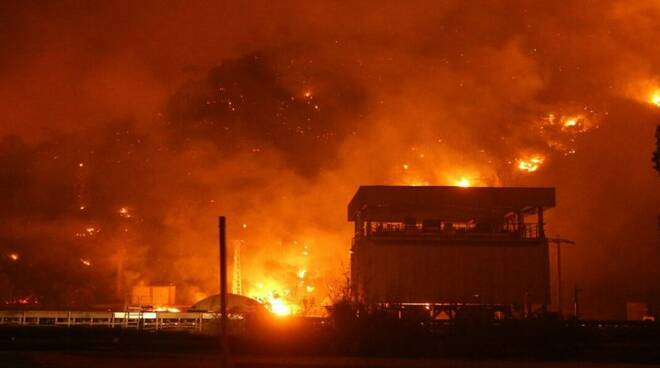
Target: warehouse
x,y
440,245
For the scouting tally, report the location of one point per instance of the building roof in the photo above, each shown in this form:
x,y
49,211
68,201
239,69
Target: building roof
x,y
393,203
235,304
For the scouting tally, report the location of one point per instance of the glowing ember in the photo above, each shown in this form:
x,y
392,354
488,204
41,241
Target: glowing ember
x,y
405,166
125,213
85,262
13,256
244,226
463,182
570,122
301,274
309,288
530,164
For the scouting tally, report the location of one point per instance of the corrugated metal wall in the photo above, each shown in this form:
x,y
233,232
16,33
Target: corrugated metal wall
x,y
451,273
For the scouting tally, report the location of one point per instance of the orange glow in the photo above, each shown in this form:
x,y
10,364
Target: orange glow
x,y
530,164
654,98
418,183
274,297
14,256
463,182
85,262
167,309
280,308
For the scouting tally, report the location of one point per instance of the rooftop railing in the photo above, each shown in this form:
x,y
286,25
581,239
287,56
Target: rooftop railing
x,y
527,231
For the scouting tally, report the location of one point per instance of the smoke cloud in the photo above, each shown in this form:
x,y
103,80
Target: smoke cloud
x,y
128,127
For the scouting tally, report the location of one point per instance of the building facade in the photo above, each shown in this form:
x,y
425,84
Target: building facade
x,y
450,245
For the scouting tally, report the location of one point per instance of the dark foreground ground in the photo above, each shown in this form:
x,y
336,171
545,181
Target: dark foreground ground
x,y
208,360
370,343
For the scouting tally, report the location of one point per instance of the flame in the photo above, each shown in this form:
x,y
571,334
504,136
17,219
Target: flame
x,y
530,164
280,308
274,297
654,97
463,182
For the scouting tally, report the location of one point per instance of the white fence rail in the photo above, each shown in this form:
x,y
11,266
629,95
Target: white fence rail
x,y
193,322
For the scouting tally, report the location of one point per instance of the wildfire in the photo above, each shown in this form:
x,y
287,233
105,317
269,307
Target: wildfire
x,y
275,298
13,256
280,308
530,164
570,122
654,98
463,182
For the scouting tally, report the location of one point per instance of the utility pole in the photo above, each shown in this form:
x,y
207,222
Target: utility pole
x,y
224,348
558,241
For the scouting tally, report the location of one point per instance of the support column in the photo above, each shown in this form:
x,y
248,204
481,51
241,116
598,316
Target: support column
x,y
541,229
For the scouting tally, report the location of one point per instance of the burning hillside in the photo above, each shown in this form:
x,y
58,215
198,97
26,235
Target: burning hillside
x,y
122,141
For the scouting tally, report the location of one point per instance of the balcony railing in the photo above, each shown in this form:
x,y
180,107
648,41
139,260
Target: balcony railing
x,y
527,231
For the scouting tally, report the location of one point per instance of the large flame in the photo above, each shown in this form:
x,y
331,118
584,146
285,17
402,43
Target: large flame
x,y
531,163
654,97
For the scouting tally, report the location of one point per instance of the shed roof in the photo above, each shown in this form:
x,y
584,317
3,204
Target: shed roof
x,y
382,202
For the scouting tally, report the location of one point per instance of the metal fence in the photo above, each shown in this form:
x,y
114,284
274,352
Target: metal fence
x,y
198,322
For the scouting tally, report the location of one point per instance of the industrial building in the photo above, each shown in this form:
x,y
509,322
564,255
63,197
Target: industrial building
x,y
450,246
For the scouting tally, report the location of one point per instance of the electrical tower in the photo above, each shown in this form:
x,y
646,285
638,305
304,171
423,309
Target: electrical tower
x,y
237,278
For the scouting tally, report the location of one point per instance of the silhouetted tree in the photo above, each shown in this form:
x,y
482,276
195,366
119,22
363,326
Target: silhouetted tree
x,y
656,154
